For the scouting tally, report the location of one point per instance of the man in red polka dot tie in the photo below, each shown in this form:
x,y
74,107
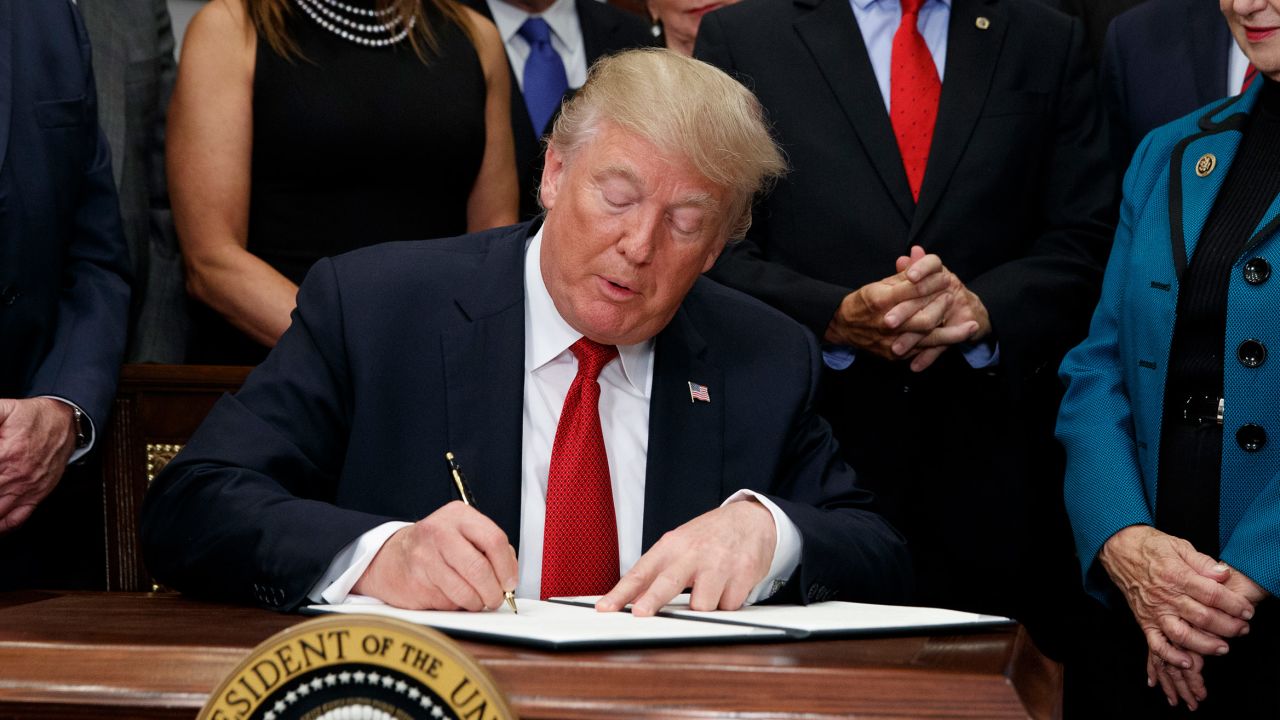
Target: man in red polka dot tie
x,y
943,231
628,428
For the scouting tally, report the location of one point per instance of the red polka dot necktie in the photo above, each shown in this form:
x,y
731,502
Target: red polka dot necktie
x,y
1250,73
580,536
914,89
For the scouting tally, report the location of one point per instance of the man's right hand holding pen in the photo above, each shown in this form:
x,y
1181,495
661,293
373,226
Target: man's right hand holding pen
x,y
453,559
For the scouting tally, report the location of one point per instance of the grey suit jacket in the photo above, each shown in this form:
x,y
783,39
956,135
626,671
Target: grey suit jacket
x,y
133,58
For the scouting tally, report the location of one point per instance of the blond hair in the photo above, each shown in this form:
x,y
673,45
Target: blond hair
x,y
684,107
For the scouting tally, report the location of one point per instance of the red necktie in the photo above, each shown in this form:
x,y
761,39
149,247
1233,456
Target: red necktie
x,y
580,537
1250,73
914,89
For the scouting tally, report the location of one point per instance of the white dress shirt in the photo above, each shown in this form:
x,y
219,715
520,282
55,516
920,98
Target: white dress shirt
x,y
1237,66
566,38
625,383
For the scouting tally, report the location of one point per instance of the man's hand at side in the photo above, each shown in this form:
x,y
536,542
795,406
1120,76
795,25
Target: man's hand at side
x,y
36,441
721,554
453,559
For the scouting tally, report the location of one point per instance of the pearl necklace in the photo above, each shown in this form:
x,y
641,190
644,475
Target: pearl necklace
x,y
383,34
358,10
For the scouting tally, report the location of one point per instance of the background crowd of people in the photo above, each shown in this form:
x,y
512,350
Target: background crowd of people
x,y
1054,382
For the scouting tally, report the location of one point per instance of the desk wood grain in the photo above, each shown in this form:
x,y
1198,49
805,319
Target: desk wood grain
x,y
134,655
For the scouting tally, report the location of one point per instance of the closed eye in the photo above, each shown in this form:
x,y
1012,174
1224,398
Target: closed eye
x,y
687,221
618,193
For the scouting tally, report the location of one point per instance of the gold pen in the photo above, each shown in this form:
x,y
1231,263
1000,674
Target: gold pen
x,y
464,494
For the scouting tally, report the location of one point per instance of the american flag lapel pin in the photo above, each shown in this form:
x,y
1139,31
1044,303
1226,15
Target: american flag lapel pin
x,y
698,393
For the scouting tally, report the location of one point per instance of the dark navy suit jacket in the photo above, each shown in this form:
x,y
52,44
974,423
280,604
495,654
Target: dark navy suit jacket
x,y
64,294
400,352
1162,59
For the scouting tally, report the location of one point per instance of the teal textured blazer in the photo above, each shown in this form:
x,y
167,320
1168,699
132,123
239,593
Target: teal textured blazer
x,y
1110,418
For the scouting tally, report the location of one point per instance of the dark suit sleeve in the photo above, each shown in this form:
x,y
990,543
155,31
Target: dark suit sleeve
x,y
744,264
850,552
1058,278
83,361
1111,84
245,511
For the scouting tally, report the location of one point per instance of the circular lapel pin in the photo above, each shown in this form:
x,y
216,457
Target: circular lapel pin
x,y
982,23
1206,164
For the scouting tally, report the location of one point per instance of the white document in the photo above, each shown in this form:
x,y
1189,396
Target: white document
x,y
826,618
558,625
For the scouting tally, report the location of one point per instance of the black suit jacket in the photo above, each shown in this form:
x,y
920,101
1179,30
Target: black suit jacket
x,y
1017,199
1096,15
64,265
605,30
1163,59
400,352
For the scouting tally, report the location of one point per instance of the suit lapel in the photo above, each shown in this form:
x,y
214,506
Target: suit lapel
x,y
596,29
484,371
972,53
522,126
1198,167
6,75
831,34
685,457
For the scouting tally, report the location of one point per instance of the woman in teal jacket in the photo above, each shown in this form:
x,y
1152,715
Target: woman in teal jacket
x,y
1171,420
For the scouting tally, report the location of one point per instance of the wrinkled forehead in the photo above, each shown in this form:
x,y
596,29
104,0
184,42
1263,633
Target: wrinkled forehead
x,y
683,189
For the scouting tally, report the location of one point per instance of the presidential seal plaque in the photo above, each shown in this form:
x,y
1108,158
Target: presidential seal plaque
x,y
357,667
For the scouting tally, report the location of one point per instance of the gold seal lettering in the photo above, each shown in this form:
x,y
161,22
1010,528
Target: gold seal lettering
x,y
324,664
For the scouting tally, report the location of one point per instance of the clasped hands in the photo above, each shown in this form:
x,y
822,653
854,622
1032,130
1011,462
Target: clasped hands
x,y
1186,603
915,314
458,559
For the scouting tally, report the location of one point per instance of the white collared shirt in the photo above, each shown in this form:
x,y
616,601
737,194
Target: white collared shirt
x,y
625,384
566,38
549,368
1237,67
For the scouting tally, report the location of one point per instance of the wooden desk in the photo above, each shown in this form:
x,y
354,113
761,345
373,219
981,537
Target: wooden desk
x,y
132,655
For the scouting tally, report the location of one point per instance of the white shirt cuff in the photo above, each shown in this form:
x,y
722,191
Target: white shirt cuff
x,y
350,563
93,431
786,551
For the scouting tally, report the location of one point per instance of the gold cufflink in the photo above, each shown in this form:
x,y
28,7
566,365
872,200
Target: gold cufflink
x,y
1206,164
982,23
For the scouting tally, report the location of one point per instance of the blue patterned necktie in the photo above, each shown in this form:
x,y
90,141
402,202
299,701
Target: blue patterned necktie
x,y
545,82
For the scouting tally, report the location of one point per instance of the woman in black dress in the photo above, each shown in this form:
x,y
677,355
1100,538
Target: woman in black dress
x,y
305,128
